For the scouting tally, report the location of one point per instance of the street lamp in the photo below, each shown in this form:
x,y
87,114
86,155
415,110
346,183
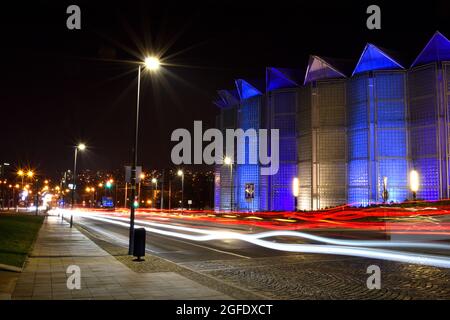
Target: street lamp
x,y
141,178
155,182
81,147
227,161
295,191
180,173
21,174
414,183
151,64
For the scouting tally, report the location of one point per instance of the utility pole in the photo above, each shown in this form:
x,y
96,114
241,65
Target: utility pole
x,y
162,191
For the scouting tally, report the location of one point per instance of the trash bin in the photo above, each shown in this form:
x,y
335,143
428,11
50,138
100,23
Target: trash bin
x,y
139,243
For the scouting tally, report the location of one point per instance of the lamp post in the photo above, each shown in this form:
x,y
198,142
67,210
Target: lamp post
x,y
21,174
155,182
80,147
385,194
414,183
180,173
151,64
229,162
295,191
141,178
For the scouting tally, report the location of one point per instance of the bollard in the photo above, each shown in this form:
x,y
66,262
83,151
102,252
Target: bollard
x,y
139,244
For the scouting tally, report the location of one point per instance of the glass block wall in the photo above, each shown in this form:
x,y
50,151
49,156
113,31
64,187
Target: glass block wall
x,y
377,137
322,168
331,149
446,88
225,190
250,117
428,90
304,139
282,106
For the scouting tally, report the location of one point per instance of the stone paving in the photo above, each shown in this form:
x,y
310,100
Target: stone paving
x,y
102,276
329,277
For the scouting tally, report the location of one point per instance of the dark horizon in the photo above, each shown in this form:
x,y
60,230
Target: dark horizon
x,y
61,87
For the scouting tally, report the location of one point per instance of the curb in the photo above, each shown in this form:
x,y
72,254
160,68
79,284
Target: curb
x,y
7,267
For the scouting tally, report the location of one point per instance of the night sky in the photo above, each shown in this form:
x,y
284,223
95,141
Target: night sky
x,y
61,86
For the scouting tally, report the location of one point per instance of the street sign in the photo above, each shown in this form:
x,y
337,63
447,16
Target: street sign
x,y
107,202
189,201
249,191
128,174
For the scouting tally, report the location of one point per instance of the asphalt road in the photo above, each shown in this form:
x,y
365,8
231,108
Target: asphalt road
x,y
181,250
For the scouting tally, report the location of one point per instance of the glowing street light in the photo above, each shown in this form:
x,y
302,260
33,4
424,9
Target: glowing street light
x,y
81,147
414,183
180,173
30,174
21,174
152,63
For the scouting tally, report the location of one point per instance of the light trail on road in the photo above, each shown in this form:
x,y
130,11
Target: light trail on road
x,y
355,248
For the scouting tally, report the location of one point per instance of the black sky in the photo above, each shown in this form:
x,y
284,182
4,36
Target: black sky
x,y
60,86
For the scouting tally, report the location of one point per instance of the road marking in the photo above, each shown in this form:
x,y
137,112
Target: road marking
x,y
171,238
209,248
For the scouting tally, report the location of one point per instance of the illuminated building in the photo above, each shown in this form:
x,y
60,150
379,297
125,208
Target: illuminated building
x,y
429,103
343,134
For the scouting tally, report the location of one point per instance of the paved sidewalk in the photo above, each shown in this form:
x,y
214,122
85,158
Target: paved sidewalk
x,y
102,276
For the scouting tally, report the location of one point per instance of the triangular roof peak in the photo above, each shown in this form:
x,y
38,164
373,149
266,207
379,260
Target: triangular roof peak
x,y
373,58
319,68
246,89
229,97
437,49
278,78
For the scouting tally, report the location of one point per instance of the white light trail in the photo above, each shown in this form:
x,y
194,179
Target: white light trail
x,y
355,248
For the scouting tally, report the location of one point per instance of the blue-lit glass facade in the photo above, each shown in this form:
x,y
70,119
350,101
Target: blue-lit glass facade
x,y
224,186
282,109
429,128
342,135
250,116
377,136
